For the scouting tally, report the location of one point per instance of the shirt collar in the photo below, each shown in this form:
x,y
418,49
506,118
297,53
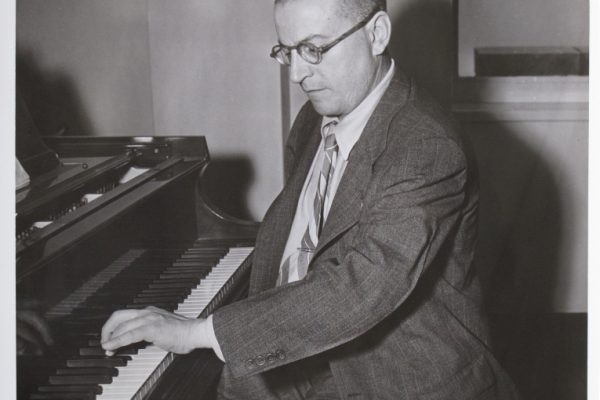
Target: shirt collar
x,y
349,128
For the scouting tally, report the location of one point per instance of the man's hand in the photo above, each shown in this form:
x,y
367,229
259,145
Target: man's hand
x,y
33,333
166,330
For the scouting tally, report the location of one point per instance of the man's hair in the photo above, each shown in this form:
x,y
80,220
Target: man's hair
x,y
355,10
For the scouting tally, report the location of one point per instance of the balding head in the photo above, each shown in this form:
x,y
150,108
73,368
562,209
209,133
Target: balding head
x,y
354,10
355,59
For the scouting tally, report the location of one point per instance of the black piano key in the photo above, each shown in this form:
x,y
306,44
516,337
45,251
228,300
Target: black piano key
x,y
97,350
88,371
172,285
79,379
158,299
194,253
199,257
165,291
129,284
90,335
191,266
164,306
93,389
195,264
88,314
100,306
97,362
131,287
195,273
62,396
203,248
92,351
137,306
106,292
181,275
135,275
79,339
126,351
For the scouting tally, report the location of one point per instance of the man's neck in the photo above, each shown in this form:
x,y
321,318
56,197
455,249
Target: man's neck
x,y
385,63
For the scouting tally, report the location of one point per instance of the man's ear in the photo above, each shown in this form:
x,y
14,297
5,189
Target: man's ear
x,y
380,32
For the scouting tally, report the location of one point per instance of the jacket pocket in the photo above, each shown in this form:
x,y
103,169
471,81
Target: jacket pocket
x,y
470,383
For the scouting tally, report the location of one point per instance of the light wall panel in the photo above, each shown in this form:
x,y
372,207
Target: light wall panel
x,y
212,76
84,65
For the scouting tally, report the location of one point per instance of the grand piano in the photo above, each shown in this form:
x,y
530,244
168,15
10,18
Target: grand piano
x,y
122,222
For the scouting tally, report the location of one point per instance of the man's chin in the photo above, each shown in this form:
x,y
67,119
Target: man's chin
x,y
323,108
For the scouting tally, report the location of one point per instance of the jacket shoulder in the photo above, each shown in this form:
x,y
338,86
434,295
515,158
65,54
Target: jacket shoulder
x,y
422,117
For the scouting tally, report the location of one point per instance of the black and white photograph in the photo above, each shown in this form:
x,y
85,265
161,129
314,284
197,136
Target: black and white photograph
x,y
299,199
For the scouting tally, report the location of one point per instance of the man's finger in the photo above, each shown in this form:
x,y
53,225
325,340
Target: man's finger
x,y
130,325
127,338
115,320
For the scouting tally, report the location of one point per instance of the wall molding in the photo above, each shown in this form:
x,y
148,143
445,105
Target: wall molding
x,y
474,112
522,89
521,98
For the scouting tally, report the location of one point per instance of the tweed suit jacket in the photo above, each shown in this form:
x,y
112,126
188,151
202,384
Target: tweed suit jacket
x,y
391,301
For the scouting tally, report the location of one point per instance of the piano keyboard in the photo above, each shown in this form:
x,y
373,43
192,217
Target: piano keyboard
x,y
135,380
152,277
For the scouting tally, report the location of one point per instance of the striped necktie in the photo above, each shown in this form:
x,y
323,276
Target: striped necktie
x,y
316,218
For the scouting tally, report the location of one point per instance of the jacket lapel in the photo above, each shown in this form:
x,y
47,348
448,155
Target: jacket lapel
x,y
278,221
347,203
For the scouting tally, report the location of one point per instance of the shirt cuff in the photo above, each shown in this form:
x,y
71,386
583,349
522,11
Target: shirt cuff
x,y
212,338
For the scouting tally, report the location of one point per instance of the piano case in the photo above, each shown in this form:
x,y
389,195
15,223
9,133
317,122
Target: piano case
x,y
120,222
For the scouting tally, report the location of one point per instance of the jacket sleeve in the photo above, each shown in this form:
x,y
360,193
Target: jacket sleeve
x,y
417,198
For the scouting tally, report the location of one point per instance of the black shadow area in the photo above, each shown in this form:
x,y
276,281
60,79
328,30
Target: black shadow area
x,y
51,97
226,181
522,229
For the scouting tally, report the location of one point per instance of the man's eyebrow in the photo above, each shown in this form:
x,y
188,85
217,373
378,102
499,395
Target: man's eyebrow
x,y
306,39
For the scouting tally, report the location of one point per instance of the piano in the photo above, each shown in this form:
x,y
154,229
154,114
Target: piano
x,y
123,222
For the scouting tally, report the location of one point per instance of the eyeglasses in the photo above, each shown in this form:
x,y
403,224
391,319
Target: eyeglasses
x,y
310,52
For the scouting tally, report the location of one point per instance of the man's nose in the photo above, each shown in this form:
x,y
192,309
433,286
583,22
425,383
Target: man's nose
x,y
299,68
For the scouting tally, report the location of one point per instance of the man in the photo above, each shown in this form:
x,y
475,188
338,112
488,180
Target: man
x,y
362,285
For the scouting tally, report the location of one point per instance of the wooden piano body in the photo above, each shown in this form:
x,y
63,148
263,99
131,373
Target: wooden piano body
x,y
106,197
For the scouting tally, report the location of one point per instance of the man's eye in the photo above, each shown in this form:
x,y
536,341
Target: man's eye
x,y
309,49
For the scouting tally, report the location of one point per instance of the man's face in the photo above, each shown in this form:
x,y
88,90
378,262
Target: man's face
x,y
346,73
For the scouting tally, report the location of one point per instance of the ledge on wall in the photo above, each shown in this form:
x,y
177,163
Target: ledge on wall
x,y
521,98
531,61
